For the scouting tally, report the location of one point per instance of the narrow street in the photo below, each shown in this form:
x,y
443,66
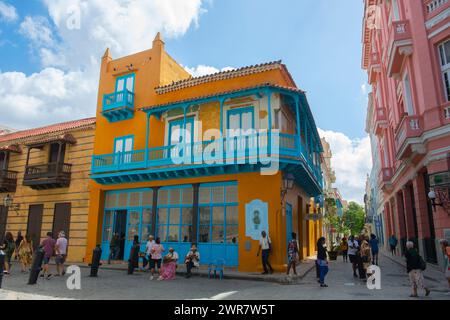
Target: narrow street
x,y
117,285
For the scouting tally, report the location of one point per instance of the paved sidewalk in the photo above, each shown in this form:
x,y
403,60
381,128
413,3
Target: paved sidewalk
x,y
433,273
229,273
14,295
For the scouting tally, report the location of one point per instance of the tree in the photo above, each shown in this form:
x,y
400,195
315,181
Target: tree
x,y
354,218
332,220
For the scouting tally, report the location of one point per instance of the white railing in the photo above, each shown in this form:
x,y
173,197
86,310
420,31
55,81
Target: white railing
x,y
414,124
447,113
434,5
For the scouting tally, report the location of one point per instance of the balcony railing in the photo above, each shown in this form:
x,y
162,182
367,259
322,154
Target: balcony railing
x,y
410,127
400,45
434,7
252,148
380,120
8,181
47,176
118,105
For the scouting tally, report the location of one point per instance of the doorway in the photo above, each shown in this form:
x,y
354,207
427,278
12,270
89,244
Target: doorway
x,y
115,221
35,224
288,224
3,221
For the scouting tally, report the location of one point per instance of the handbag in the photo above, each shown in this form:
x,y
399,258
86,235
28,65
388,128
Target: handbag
x,y
422,263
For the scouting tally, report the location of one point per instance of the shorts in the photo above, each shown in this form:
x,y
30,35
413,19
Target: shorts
x,y
155,262
60,259
353,258
393,247
46,260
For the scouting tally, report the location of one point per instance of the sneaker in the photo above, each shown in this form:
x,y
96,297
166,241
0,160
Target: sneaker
x,y
42,275
151,277
49,276
323,285
271,271
427,292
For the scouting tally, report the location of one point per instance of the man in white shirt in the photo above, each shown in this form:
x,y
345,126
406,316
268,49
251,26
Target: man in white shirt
x,y
149,246
264,247
61,253
353,247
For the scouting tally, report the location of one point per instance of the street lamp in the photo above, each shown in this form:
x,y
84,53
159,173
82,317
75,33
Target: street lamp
x,y
288,184
432,196
7,201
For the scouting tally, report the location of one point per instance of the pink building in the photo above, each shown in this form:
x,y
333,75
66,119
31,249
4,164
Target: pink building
x,y
406,52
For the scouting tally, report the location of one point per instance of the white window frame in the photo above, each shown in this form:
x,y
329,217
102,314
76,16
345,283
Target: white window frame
x,y
445,69
407,94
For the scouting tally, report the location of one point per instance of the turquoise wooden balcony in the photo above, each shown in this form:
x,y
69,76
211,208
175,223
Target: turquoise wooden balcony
x,y
228,155
118,106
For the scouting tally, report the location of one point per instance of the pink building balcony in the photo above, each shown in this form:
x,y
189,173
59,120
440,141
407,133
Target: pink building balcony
x,y
434,7
385,177
410,127
380,120
399,45
374,66
446,113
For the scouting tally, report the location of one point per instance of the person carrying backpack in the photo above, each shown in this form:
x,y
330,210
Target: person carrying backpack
x,y
8,247
415,265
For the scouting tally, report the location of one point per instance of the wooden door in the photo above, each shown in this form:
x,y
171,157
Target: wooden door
x,y
35,224
3,222
61,219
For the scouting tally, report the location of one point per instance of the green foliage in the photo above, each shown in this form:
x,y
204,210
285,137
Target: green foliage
x,y
354,218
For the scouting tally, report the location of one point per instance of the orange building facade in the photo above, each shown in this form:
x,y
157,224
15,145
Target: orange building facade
x,y
212,160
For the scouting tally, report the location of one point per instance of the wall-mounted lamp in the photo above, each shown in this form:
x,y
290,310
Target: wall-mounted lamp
x,y
288,184
8,202
439,199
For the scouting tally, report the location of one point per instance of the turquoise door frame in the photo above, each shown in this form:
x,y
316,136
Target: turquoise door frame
x,y
288,224
106,242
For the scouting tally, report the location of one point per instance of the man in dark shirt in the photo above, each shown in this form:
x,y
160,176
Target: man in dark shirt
x,y
49,248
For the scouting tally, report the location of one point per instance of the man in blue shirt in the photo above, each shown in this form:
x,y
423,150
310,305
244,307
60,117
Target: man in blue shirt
x,y
374,247
393,244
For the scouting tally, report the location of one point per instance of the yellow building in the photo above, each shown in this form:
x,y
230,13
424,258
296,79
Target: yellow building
x,y
212,160
44,182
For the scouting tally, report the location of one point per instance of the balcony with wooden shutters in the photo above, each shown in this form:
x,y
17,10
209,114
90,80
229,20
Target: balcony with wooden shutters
x,y
8,181
385,178
53,174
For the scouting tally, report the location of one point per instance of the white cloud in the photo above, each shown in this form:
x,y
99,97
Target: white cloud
x,y
364,89
8,12
352,161
202,70
51,95
38,30
66,87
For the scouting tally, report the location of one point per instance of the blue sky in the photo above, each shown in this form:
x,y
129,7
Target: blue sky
x,y
318,40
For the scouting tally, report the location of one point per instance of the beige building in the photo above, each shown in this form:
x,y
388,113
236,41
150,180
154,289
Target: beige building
x,y
44,182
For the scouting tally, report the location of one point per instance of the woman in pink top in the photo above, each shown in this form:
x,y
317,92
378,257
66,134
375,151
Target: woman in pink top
x,y
157,251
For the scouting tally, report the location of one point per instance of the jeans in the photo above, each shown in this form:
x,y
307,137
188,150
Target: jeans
x,y
114,253
265,260
189,267
323,273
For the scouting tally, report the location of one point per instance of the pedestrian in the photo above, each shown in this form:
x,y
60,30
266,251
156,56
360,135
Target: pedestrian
x,y
322,261
192,260
169,265
114,248
26,253
9,247
122,240
48,244
374,248
344,249
365,257
414,267
265,246
61,253
156,253
19,239
446,252
148,249
292,254
393,241
353,247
